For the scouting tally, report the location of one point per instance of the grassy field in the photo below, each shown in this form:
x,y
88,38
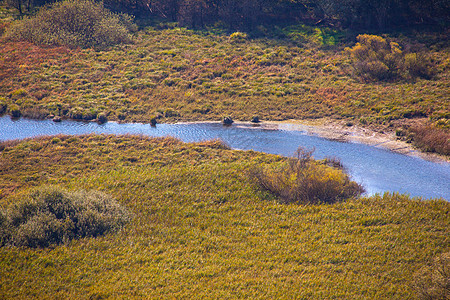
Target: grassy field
x,y
171,74
180,74
201,228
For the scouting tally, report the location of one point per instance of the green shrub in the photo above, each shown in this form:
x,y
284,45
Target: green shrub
x,y
303,180
73,23
375,58
238,37
102,118
52,215
433,281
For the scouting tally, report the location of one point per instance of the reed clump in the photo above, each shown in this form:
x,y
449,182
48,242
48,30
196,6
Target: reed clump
x,y
430,138
303,180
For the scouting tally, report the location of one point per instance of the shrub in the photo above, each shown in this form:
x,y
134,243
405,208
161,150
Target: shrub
x,y
52,215
238,37
303,180
375,58
433,281
82,23
227,120
418,65
102,118
14,110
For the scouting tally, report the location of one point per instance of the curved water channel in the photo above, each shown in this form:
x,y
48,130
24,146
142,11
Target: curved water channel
x,y
378,169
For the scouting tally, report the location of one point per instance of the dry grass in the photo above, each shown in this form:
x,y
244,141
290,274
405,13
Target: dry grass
x,y
305,181
202,228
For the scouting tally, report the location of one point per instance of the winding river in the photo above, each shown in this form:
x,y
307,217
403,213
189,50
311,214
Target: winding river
x,y
378,169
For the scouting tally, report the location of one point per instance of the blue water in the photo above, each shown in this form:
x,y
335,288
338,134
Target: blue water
x,y
379,170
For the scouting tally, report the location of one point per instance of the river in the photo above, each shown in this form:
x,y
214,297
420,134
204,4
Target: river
x,y
378,169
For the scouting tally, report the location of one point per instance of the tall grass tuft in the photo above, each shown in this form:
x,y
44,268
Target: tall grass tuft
x,y
431,139
83,23
51,215
303,180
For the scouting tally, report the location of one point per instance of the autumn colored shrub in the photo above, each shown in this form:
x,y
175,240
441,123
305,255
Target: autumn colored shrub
x,y
51,215
303,180
376,58
73,23
418,65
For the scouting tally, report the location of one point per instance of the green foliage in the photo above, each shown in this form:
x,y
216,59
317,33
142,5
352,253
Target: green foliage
x,y
73,23
51,215
238,37
204,77
376,58
304,181
418,65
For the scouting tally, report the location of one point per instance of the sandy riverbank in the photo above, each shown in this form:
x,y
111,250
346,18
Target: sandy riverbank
x,y
341,131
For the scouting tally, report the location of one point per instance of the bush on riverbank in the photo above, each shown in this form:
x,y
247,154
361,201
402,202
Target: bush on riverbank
x,y
430,138
305,181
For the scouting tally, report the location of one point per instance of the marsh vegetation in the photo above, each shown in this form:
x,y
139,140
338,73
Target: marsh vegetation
x,y
393,81
102,216
202,227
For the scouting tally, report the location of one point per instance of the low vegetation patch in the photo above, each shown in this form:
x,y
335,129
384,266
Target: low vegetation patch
x,y
51,215
73,23
430,138
305,181
202,229
432,282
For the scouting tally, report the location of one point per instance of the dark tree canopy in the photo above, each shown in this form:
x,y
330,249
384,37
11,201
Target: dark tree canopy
x,y
246,14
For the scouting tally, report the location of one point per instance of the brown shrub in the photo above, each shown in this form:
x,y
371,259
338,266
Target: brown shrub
x,y
431,139
302,180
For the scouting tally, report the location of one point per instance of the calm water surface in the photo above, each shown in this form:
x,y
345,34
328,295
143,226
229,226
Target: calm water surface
x,y
379,170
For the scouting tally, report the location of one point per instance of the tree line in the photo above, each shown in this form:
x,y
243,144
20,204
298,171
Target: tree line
x,y
248,14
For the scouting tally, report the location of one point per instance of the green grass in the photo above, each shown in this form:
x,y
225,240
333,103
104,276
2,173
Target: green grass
x,y
202,228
